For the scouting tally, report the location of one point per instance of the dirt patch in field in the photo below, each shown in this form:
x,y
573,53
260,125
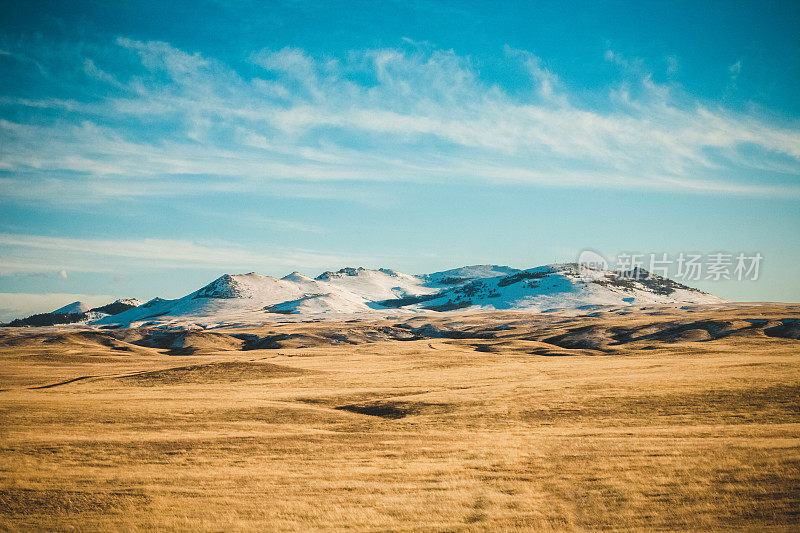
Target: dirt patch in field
x,y
394,410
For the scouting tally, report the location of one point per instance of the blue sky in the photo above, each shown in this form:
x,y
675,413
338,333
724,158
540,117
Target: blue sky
x,y
146,148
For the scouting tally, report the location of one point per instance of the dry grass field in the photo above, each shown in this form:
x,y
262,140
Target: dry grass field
x,y
653,419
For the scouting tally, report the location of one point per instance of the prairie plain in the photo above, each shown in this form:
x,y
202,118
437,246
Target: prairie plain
x,y
652,418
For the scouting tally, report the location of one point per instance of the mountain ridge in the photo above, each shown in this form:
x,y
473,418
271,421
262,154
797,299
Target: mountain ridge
x,y
76,312
361,292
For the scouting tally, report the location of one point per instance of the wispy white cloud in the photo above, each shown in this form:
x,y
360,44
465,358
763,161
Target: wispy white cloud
x,y
270,222
93,71
36,253
394,114
15,262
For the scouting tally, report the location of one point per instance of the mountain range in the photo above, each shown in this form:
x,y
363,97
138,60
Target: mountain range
x,y
363,293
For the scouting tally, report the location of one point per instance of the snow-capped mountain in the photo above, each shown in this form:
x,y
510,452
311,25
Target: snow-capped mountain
x,y
117,306
469,273
252,298
77,313
74,307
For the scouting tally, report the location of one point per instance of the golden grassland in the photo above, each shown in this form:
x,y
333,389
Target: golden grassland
x,y
684,419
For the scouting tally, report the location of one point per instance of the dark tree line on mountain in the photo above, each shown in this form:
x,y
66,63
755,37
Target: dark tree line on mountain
x,y
51,319
48,319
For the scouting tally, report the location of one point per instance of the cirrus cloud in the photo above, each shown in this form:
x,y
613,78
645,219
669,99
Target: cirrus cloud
x,y
413,113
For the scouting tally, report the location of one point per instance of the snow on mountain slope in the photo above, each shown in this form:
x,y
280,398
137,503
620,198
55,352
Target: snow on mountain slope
x,y
561,286
373,285
118,306
296,277
320,303
251,298
74,307
459,275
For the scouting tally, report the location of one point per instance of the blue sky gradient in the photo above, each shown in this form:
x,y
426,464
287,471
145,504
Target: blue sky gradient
x,y
146,148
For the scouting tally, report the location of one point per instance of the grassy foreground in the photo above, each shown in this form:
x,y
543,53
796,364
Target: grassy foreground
x,y
432,434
